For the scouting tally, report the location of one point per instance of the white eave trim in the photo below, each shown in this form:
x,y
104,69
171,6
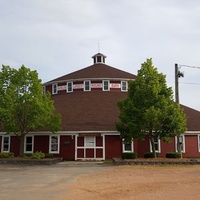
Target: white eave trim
x,y
83,79
66,133
192,133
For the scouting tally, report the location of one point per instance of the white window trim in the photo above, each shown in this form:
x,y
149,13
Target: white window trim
x,y
89,85
198,136
108,85
56,85
50,138
183,151
159,146
122,86
2,146
125,151
25,144
84,148
67,87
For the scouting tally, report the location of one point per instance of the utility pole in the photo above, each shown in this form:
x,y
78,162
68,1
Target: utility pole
x,y
176,84
178,74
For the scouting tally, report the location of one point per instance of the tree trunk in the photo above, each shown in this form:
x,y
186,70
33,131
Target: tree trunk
x,y
21,150
179,145
153,146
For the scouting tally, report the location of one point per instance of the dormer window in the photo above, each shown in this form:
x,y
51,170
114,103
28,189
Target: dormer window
x,y
54,88
87,85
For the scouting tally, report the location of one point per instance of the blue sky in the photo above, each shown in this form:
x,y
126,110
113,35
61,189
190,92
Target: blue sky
x,y
59,37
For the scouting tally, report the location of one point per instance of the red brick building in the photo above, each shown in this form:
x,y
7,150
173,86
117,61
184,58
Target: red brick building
x,y
86,100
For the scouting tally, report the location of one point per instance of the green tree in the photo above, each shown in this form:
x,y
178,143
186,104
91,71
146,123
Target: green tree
x,y
149,109
23,105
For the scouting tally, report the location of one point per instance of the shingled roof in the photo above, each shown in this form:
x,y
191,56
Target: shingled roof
x,y
98,111
88,111
193,118
96,71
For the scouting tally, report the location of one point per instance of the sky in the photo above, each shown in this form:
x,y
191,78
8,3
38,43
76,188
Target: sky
x,y
57,37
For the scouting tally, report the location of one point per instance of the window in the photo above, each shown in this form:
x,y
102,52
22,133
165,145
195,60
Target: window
x,y
128,147
28,144
54,144
70,87
198,142
156,143
106,85
124,86
87,86
54,88
44,90
6,143
181,142
89,141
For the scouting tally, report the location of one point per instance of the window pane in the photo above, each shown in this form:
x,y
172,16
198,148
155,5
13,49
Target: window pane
x,y
69,87
90,141
54,143
29,147
98,58
54,139
6,143
5,147
54,88
54,147
29,140
87,85
124,86
106,85
127,147
29,144
6,140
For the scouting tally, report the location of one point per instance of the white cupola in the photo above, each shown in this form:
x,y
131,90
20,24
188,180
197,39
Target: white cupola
x,y
99,58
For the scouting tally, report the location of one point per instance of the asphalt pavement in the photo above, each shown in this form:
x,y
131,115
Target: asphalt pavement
x,y
42,182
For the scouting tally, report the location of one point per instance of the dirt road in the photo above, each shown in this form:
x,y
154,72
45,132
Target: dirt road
x,y
98,182
138,182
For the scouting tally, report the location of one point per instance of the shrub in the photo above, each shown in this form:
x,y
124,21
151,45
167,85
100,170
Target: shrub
x,y
173,155
37,155
48,155
28,155
6,155
129,155
150,155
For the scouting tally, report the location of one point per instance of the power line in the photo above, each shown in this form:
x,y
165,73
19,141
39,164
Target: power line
x,y
189,83
185,83
190,66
